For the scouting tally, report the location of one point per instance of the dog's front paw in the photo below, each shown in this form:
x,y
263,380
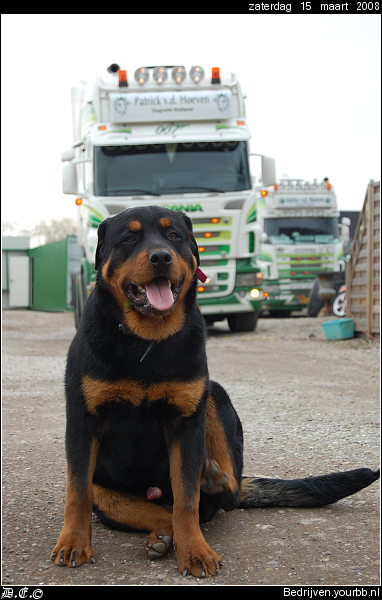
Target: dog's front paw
x,y
197,559
73,551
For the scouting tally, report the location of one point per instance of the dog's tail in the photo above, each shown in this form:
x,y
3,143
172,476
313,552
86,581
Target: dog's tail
x,y
307,492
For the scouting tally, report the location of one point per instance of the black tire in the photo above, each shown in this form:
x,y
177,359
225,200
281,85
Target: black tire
x,y
243,321
315,302
75,301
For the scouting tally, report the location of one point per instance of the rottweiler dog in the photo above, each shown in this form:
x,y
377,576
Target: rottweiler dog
x,y
152,443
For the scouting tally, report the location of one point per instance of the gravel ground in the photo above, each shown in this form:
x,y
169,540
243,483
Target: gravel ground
x,y
308,406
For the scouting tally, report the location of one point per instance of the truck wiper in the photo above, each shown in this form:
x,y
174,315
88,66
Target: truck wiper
x,y
193,188
126,192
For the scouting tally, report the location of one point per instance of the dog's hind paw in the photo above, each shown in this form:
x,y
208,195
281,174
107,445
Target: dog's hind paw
x,y
213,480
158,542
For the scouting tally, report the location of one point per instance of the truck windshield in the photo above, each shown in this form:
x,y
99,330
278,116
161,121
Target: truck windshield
x,y
171,168
300,230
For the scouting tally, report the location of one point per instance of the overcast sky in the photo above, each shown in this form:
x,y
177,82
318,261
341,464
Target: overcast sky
x,y
312,85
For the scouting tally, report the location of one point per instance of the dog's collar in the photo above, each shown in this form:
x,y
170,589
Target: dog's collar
x,y
200,275
126,331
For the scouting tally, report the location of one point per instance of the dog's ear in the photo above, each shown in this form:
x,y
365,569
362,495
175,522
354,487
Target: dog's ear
x,y
193,244
100,246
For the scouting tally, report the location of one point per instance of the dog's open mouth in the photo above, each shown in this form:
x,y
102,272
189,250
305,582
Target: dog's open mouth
x,y
159,294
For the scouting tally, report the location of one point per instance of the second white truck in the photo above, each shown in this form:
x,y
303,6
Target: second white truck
x,y
302,238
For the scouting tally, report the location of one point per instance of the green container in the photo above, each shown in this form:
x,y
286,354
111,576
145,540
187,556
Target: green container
x,y
339,329
52,266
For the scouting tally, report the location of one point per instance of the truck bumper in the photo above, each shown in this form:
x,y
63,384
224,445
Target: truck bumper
x,y
240,301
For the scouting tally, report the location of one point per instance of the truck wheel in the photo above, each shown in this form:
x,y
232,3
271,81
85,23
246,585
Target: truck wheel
x,y
243,321
339,305
315,302
75,301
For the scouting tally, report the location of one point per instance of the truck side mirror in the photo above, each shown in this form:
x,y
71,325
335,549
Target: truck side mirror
x,y
268,171
69,179
67,155
345,229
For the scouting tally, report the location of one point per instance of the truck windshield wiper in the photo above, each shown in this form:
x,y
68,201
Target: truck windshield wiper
x,y
127,192
193,188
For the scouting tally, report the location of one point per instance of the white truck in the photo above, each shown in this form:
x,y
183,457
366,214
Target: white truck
x,y
179,138
302,238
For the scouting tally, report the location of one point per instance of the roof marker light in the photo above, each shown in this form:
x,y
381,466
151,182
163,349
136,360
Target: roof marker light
x,y
264,193
215,77
122,76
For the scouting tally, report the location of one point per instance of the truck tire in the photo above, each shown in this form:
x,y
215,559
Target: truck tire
x,y
243,321
339,305
75,301
315,302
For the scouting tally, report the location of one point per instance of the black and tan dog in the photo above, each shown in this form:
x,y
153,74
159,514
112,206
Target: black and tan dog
x,y
152,444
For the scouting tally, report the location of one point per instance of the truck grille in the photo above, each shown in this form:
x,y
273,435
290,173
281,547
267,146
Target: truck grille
x,y
295,266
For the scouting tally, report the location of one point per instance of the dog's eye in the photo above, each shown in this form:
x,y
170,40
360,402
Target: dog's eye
x,y
130,238
173,235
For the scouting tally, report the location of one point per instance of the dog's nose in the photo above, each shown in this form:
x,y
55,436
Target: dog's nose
x,y
160,258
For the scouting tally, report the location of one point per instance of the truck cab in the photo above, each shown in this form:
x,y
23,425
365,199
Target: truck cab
x,y
175,137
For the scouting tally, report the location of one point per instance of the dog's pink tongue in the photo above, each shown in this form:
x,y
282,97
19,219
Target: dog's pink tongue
x,y
159,294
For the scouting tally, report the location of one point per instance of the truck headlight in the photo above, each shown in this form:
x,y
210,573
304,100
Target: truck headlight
x,y
248,279
245,279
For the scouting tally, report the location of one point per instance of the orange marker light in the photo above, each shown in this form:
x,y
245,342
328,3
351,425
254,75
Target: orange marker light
x,y
215,75
202,249
264,193
208,235
201,289
78,201
101,127
215,220
122,76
